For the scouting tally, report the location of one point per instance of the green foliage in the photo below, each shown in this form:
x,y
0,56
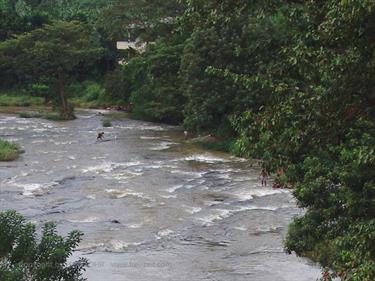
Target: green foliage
x,y
53,117
43,115
145,19
27,114
17,17
91,94
39,89
292,83
82,10
44,52
213,44
225,146
117,85
106,122
155,92
25,257
7,100
8,150
93,91
315,118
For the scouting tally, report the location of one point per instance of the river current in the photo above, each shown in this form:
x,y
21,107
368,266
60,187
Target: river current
x,y
151,206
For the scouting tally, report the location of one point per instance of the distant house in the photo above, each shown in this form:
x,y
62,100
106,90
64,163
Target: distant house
x,y
137,46
132,49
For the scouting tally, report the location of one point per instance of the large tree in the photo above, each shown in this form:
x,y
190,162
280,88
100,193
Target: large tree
x,y
55,50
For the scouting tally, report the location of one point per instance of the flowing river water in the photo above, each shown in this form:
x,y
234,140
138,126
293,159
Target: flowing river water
x,y
151,207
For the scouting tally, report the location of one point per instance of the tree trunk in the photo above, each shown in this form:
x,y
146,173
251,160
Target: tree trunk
x,y
66,111
47,100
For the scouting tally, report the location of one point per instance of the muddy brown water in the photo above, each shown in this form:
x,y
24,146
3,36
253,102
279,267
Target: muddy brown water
x,y
151,207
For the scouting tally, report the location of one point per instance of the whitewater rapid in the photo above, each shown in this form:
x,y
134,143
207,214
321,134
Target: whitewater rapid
x,y
151,206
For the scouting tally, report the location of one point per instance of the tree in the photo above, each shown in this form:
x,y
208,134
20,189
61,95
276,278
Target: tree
x,y
315,120
24,257
155,91
17,17
147,19
55,50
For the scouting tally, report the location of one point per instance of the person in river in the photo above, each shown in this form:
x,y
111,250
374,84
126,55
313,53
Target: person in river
x,y
100,136
263,177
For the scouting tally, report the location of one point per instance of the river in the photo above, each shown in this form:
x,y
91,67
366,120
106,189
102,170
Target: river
x,y
151,207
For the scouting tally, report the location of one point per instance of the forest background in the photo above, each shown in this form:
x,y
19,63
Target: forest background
x,y
288,82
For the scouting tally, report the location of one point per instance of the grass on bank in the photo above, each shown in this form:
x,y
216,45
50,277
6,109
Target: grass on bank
x,y
81,102
87,94
222,145
43,115
8,150
91,94
210,142
8,100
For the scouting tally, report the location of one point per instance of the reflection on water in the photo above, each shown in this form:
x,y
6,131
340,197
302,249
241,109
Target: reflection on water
x,y
151,207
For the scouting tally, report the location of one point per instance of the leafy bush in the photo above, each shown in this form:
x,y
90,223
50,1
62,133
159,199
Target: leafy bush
x,y
39,89
43,115
106,122
219,145
118,85
53,117
24,257
7,100
155,86
315,120
30,115
8,150
91,94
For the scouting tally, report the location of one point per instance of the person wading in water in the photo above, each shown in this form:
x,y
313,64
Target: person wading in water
x,y
100,136
263,177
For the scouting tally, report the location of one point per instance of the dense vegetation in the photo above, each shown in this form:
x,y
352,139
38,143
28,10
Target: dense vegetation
x,y
289,82
25,257
8,150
